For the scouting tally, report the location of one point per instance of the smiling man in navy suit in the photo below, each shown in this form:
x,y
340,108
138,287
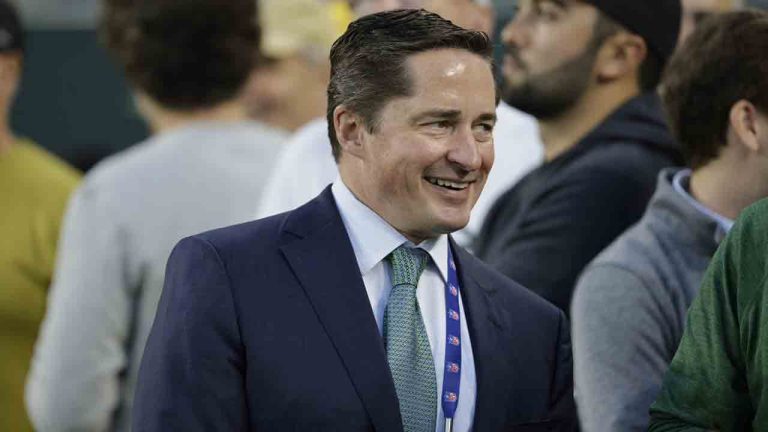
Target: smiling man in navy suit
x,y
357,311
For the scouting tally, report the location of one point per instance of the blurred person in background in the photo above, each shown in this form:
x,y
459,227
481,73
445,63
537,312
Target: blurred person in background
x,y
204,167
34,189
717,377
306,164
630,303
694,11
469,14
288,89
587,70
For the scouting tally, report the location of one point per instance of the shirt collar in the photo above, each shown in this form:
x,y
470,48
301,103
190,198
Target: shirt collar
x,y
373,238
680,182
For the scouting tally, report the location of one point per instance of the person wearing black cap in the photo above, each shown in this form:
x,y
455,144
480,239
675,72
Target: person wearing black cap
x,y
34,189
587,70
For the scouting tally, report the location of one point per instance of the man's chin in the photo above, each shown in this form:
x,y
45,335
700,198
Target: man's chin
x,y
451,225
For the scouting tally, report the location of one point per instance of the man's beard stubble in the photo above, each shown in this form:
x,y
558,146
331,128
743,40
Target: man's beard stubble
x,y
549,94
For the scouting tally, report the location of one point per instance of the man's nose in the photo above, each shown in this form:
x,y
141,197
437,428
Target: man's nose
x,y
464,150
515,33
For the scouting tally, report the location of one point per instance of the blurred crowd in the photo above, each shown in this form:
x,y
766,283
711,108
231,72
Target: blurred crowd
x,y
629,141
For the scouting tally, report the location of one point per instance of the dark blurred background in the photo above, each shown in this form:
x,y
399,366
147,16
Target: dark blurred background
x,y
71,86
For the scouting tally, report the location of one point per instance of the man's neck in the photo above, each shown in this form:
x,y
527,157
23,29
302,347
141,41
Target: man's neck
x,y
724,192
561,133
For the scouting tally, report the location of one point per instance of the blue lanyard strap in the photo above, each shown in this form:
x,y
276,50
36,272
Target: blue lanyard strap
x,y
452,372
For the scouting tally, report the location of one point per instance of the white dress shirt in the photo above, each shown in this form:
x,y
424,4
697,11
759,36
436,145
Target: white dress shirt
x,y
372,240
306,167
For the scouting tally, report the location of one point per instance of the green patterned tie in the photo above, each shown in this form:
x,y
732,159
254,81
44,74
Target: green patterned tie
x,y
408,351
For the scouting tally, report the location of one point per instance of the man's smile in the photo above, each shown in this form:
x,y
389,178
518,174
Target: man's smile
x,y
456,185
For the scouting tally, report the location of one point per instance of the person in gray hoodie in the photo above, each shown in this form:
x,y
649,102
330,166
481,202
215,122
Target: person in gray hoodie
x,y
630,304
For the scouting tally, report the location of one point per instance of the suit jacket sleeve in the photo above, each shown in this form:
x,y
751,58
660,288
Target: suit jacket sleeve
x,y
192,372
563,231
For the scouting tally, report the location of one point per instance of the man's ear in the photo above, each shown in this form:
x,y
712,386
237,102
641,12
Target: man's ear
x,y
350,131
621,55
749,128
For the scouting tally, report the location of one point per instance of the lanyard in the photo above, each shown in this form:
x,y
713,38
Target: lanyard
x,y
452,372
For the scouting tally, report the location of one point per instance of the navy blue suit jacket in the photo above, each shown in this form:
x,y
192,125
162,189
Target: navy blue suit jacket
x,y
267,326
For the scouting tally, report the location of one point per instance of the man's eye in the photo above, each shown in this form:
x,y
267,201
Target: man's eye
x,y
484,127
483,131
443,124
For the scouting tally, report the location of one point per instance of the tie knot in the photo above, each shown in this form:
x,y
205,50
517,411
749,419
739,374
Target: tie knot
x,y
407,265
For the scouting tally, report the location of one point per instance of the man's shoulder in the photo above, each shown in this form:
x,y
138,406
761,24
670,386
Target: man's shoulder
x,y
622,159
269,234
619,164
643,262
637,249
618,173
753,222
249,239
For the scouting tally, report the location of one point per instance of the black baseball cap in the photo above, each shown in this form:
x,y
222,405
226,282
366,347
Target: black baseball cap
x,y
656,21
11,33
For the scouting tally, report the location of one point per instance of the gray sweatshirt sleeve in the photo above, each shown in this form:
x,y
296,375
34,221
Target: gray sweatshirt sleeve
x,y
74,378
620,356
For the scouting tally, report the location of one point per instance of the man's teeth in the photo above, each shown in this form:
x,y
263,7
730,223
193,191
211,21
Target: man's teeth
x,y
448,184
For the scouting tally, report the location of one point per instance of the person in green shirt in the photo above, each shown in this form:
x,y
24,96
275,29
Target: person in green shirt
x,y
34,189
718,379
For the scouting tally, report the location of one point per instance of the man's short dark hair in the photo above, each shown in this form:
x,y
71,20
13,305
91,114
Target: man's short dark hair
x,y
185,54
652,66
368,60
725,60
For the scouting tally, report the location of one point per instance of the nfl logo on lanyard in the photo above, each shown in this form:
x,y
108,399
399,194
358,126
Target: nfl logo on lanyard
x,y
451,375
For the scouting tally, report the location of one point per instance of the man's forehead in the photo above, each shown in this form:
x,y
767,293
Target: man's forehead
x,y
444,63
449,77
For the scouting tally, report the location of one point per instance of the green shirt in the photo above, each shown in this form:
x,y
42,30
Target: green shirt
x,y
34,188
717,379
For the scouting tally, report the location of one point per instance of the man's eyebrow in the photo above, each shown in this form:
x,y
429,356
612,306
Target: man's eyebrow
x,y
447,114
487,117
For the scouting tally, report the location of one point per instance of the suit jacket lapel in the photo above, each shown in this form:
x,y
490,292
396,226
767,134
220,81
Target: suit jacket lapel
x,y
324,262
484,331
